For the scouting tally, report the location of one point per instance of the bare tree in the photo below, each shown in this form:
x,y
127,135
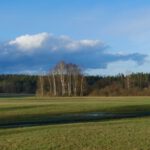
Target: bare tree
x,y
81,85
128,79
69,78
76,73
54,84
63,79
61,70
50,83
41,85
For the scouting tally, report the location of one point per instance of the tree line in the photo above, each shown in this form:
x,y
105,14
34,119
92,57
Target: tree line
x,y
67,79
135,84
18,84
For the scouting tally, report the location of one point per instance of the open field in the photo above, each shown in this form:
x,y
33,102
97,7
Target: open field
x,y
119,134
30,109
132,134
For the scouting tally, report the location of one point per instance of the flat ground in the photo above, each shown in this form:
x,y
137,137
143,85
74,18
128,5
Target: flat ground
x,y
118,134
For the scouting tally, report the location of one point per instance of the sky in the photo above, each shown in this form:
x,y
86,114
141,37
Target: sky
x,y
103,37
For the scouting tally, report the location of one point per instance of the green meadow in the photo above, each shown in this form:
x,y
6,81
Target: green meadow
x,y
100,134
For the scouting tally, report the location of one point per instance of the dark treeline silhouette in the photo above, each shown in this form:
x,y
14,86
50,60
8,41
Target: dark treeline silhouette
x,y
57,84
18,84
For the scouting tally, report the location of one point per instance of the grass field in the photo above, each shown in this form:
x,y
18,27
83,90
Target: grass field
x,y
118,134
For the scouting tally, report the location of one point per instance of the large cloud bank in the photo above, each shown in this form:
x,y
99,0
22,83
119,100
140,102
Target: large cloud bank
x,y
39,52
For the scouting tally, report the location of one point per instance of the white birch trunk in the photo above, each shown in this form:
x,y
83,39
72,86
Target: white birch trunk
x,y
69,85
41,86
75,85
54,85
62,84
50,84
82,80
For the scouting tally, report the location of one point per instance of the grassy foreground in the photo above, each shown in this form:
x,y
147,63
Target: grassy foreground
x,y
121,134
132,134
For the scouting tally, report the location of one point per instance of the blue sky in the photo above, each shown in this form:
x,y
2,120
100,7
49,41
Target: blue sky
x,y
102,36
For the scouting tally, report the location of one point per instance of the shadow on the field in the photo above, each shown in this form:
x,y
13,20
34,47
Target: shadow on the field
x,y
74,118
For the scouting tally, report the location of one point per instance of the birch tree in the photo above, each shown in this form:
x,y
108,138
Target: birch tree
x,y
69,78
65,79
61,72
54,83
49,76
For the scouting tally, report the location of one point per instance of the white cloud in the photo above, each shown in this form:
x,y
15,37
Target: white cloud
x,y
28,42
74,45
52,43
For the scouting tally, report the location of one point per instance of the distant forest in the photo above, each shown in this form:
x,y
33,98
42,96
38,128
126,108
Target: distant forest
x,y
120,85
